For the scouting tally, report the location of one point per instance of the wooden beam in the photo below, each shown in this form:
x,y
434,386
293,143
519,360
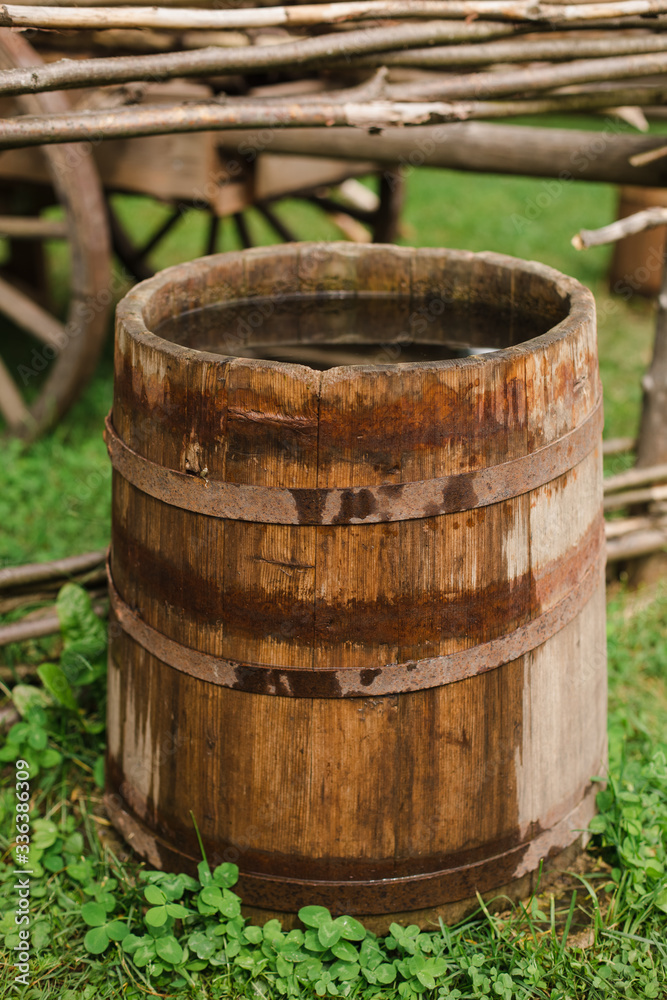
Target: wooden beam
x,y
481,147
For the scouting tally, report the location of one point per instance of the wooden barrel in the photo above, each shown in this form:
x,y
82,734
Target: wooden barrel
x,y
638,261
358,613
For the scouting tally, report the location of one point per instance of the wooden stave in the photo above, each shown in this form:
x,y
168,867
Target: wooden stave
x,y
358,887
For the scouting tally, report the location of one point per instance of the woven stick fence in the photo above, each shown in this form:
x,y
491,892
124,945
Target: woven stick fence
x,y
440,60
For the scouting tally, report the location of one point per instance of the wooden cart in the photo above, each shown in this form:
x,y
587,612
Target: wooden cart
x,y
39,384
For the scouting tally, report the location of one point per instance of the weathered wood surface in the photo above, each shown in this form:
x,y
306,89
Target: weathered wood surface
x,y
445,790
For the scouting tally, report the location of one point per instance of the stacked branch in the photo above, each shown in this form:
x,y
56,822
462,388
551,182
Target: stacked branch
x,y
36,586
634,535
455,59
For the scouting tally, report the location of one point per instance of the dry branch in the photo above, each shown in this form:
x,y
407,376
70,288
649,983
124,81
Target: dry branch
x,y
649,218
206,116
199,4
642,159
19,576
633,116
316,52
519,81
301,15
25,600
36,628
635,545
626,525
211,116
203,4
630,498
527,48
646,476
618,446
22,597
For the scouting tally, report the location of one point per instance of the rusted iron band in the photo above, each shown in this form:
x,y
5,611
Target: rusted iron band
x,y
392,678
356,896
356,504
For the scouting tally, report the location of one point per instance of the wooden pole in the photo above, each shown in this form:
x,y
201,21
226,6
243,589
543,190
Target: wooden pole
x,y
481,147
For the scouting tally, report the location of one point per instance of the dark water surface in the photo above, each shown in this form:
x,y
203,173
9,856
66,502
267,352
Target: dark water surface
x,y
326,331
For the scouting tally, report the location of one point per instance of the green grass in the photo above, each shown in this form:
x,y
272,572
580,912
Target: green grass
x,y
608,940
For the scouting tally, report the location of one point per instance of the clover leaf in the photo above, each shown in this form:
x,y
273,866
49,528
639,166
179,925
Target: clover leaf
x,y
169,950
102,931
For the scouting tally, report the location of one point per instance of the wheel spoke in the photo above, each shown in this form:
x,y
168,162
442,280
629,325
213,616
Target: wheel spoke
x,y
31,227
125,248
276,223
242,230
31,317
160,232
11,401
213,230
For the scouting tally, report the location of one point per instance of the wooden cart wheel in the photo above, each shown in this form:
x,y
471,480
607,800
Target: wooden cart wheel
x,y
66,352
382,222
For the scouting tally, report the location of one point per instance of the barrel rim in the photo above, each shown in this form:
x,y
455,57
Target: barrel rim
x,y
130,310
